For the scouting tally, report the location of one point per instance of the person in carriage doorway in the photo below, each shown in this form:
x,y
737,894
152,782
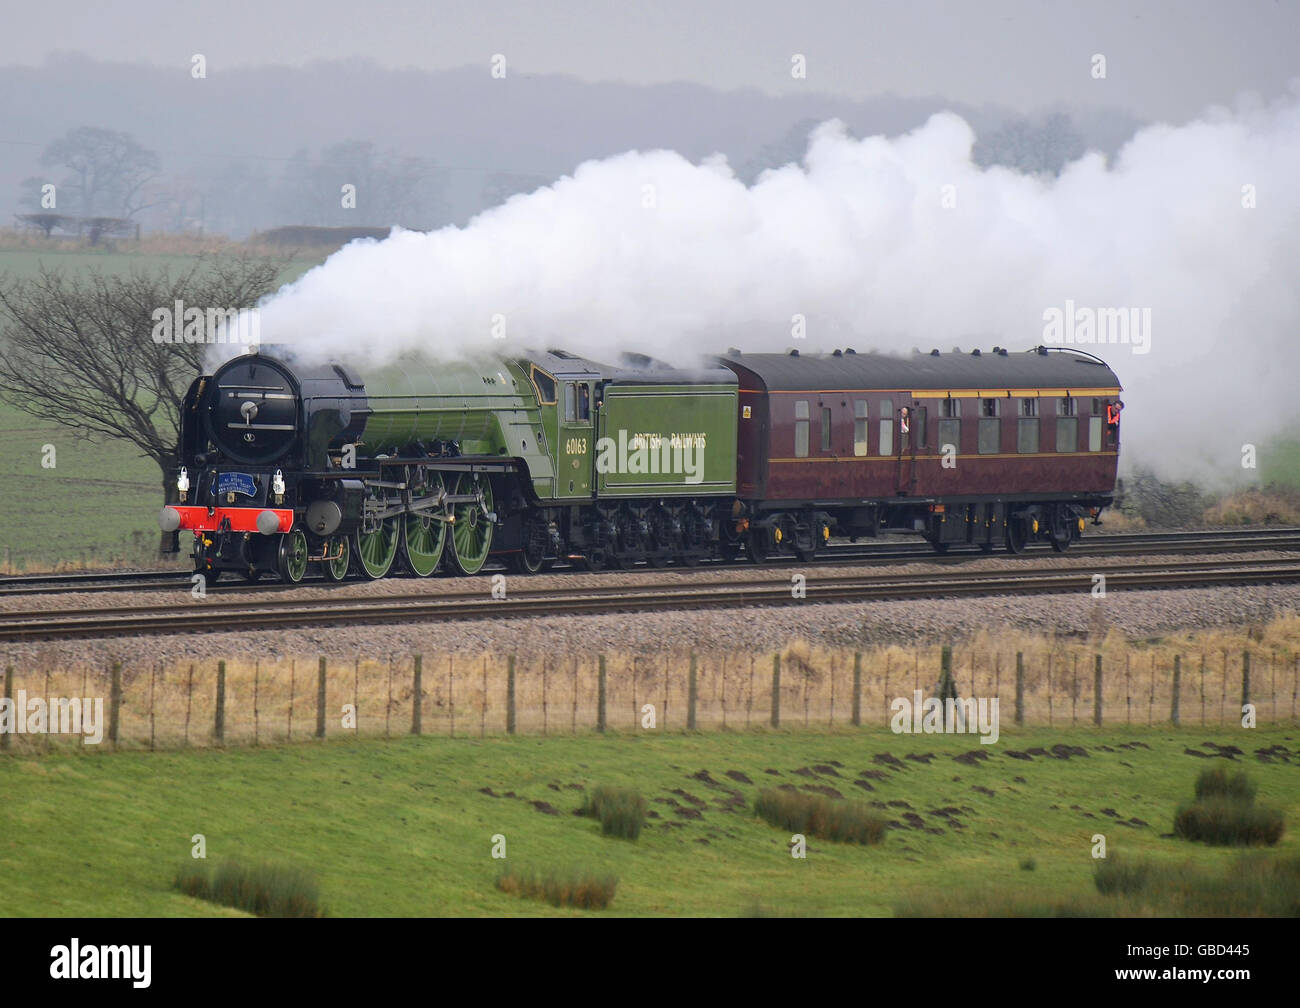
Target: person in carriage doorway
x,y
1113,410
904,427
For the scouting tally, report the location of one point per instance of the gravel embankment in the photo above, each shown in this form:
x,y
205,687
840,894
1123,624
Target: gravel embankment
x,y
1134,613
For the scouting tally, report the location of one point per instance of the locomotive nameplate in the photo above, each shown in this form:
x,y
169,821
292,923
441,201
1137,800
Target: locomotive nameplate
x,y
237,482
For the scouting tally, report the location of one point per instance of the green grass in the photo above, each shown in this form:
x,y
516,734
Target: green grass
x,y
621,811
560,887
406,827
97,507
261,888
1279,463
819,816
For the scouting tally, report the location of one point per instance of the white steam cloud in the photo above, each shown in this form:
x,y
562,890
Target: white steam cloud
x,y
888,244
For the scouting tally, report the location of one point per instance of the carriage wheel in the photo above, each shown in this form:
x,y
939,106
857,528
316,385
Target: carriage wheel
x,y
471,533
1059,532
1015,535
424,536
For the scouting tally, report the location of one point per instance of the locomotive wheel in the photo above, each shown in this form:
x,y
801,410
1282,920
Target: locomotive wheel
x,y
757,543
424,536
471,533
373,552
291,557
337,570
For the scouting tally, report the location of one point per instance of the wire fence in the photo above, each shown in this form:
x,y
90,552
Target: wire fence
x,y
238,702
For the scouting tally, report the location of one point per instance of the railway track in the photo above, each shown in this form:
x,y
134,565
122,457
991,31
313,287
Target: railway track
x,y
210,615
871,554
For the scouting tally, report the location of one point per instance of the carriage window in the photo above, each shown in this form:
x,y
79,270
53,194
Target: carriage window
x,y
584,401
826,429
1029,407
801,428
1068,406
990,433
1094,433
951,409
1027,435
570,402
886,427
918,425
950,434
1067,433
990,407
859,427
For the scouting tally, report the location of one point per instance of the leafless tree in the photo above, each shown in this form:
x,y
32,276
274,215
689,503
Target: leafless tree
x,y
104,172
78,349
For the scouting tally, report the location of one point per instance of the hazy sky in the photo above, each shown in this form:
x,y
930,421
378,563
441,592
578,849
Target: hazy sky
x,y
1165,58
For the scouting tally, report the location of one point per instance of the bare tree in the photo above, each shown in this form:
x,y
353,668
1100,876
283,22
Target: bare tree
x,y
79,349
105,172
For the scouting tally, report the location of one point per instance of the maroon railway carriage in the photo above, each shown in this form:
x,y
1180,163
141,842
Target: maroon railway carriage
x,y
979,448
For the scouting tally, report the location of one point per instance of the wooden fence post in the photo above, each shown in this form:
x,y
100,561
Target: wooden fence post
x,y
510,695
1178,685
857,689
219,717
1096,689
320,699
691,695
947,686
600,697
189,701
6,738
776,691
1020,687
417,705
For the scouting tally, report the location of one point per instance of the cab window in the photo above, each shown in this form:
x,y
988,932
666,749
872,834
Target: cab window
x,y
544,385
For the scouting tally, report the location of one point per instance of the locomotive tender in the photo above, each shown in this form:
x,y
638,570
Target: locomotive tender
x,y
423,466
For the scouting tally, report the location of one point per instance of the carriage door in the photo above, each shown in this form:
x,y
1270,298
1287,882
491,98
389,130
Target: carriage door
x,y
911,437
577,441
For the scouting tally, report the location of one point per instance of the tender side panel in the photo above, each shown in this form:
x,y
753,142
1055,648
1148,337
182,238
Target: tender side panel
x,y
677,439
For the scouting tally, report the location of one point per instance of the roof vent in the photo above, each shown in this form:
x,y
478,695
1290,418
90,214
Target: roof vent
x,y
733,352
1002,352
838,353
1042,351
975,352
850,350
794,353
934,353
997,349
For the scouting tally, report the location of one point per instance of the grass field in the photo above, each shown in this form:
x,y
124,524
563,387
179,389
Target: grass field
x,y
405,827
98,506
